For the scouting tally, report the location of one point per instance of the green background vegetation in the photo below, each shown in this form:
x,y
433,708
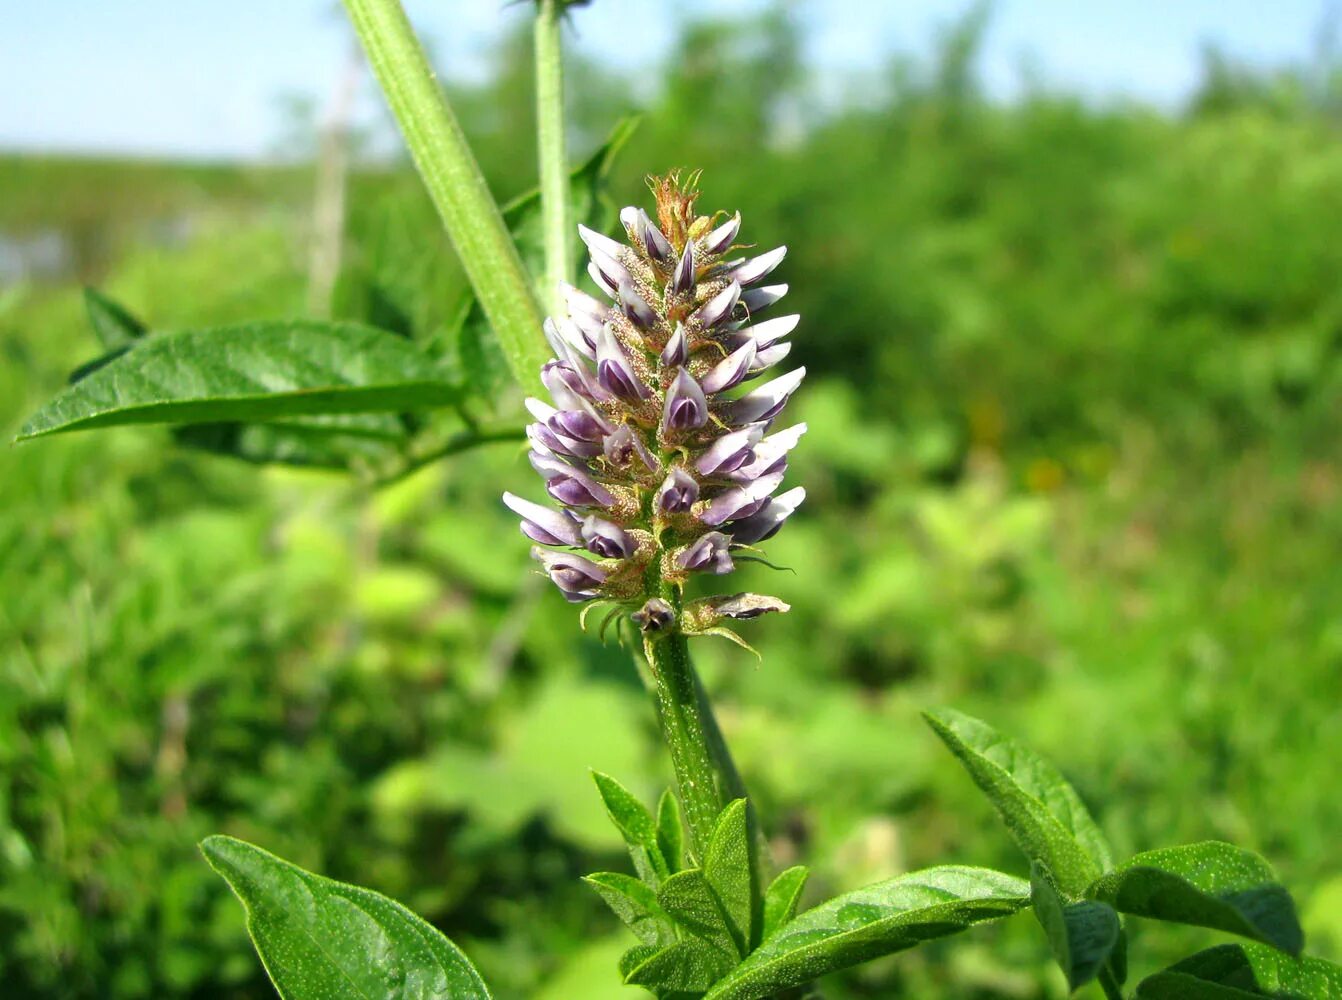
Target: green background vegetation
x,y
1072,467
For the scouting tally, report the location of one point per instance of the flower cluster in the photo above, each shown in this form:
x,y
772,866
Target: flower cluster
x,y
663,466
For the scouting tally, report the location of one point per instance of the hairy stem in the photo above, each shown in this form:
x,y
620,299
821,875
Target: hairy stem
x,y
458,189
550,147
686,726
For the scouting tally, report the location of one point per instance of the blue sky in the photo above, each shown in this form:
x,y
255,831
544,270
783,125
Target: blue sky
x,y
201,78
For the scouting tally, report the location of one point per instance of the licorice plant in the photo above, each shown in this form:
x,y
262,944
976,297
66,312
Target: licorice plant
x,y
663,454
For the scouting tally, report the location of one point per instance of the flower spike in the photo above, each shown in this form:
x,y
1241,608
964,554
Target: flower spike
x,y
659,476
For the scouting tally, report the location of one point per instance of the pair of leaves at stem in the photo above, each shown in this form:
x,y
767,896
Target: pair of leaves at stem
x,y
708,931
1077,891
300,392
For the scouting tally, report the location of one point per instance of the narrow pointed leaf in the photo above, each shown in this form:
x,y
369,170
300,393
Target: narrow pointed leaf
x,y
253,372
112,323
782,897
879,920
1041,810
319,938
637,827
1236,971
635,904
689,966
1082,935
694,906
1210,884
729,866
670,832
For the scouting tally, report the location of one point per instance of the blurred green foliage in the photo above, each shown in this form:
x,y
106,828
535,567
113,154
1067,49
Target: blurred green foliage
x,y
1072,467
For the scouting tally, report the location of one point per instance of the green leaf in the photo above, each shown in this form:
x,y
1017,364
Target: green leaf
x,y
319,938
670,832
1082,935
1042,811
729,867
636,825
112,323
1235,971
254,372
635,904
1210,884
685,967
690,900
878,920
782,897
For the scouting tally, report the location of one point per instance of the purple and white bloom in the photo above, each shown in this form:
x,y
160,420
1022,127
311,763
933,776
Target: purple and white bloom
x,y
607,539
757,267
577,578
710,554
764,403
657,472
720,239
755,299
678,492
731,369
613,369
719,307
686,407
545,524
677,349
764,524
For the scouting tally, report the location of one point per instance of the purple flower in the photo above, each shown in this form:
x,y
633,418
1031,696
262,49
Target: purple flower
x,y
542,524
709,554
763,403
769,453
685,408
639,312
577,578
569,484
730,451
678,492
682,281
658,495
657,246
731,369
607,540
655,615
677,349
755,299
624,445
721,238
771,330
613,369
764,524
719,307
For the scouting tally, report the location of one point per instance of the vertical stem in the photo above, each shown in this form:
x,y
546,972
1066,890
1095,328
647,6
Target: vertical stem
x,y
453,178
550,147
686,734
1110,987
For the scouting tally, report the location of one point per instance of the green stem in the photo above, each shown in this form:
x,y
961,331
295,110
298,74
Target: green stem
x,y
686,732
550,148
1109,985
458,189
